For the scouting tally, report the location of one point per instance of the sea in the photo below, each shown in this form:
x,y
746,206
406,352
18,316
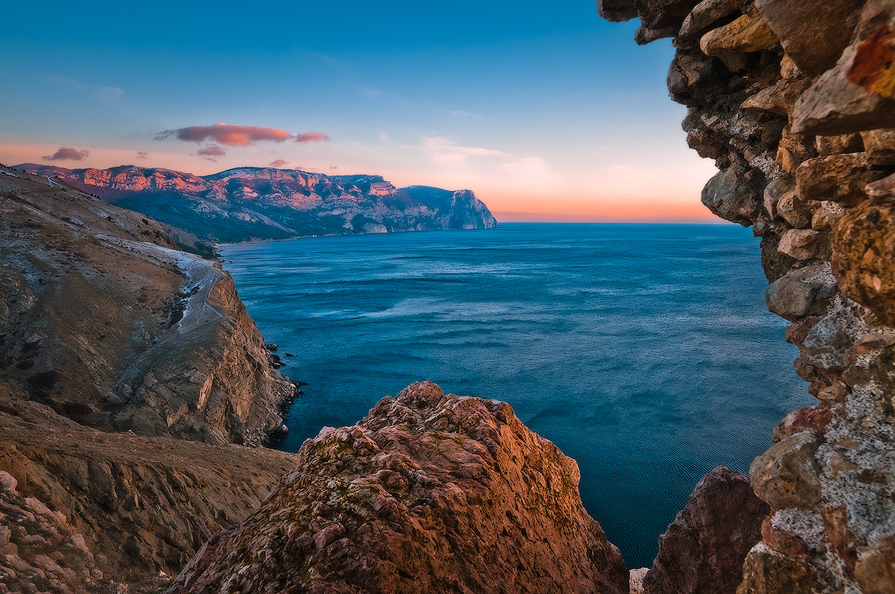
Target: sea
x,y
644,351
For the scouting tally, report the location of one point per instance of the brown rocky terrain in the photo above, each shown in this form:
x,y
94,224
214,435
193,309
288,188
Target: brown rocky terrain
x,y
429,493
105,321
255,203
93,511
794,102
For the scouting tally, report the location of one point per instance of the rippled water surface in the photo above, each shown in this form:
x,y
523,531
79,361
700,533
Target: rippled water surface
x,y
645,352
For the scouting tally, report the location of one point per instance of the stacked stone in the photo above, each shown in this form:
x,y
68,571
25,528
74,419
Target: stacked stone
x,y
795,102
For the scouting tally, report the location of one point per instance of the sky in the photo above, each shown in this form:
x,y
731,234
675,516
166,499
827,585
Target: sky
x,y
540,107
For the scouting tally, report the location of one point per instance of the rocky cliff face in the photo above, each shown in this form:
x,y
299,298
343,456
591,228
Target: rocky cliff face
x,y
102,320
429,493
253,203
795,101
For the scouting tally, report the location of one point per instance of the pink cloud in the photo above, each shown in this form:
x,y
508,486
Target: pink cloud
x,y
67,154
212,151
311,137
227,134
278,163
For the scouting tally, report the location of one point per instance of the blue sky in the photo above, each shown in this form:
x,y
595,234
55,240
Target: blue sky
x,y
539,107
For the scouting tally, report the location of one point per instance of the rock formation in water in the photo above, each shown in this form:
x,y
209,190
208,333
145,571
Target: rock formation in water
x,y
105,321
795,102
429,493
252,203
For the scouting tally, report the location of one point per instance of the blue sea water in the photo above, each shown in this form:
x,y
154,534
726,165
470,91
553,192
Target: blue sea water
x,y
645,352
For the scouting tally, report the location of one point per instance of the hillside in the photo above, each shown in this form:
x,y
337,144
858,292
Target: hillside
x,y
251,203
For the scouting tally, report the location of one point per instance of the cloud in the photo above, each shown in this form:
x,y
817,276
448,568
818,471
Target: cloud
x,y
68,154
310,137
142,155
226,134
231,135
212,151
443,150
278,163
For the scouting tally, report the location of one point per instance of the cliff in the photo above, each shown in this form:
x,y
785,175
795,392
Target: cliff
x,y
251,203
429,493
106,322
795,102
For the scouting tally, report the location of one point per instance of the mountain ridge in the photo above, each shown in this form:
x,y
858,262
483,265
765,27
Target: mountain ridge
x,y
245,204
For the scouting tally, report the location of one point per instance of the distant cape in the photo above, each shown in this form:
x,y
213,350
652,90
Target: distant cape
x,y
262,203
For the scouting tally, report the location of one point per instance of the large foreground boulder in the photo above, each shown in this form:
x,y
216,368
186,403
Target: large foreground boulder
x,y
429,493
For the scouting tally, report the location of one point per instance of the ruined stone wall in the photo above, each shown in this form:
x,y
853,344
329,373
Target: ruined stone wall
x,y
795,102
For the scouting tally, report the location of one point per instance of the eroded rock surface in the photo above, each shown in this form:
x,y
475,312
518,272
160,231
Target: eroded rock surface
x,y
429,493
799,123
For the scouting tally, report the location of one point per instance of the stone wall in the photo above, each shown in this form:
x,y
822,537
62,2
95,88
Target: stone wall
x,y
795,102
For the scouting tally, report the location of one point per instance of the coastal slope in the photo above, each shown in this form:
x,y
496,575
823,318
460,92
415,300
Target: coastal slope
x,y
254,203
104,320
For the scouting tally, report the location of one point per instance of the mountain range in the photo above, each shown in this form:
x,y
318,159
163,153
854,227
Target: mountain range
x,y
261,203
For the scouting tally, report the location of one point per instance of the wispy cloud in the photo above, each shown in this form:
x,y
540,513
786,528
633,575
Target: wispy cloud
x,y
142,155
68,154
445,151
104,94
278,163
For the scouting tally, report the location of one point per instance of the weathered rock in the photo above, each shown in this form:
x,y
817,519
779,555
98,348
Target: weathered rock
x,y
617,11
875,569
812,418
800,244
835,105
779,98
429,493
786,475
767,571
729,198
704,548
706,14
659,14
802,292
882,189
879,146
873,64
749,33
813,33
838,178
863,246
837,145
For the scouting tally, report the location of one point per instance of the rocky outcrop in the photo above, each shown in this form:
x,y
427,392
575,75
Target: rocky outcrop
x,y
88,509
704,548
429,493
794,102
105,321
252,203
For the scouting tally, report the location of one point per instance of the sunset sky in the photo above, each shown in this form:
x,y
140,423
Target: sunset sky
x,y
540,107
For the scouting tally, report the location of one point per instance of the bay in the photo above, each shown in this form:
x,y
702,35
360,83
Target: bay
x,y
645,352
